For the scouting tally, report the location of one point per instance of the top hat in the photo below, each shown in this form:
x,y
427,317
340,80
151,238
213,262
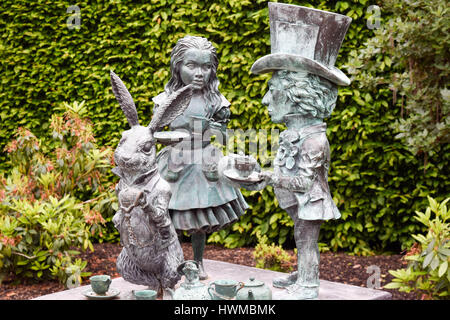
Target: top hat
x,y
304,39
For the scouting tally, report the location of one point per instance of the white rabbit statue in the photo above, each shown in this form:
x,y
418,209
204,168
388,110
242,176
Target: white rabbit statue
x,y
151,251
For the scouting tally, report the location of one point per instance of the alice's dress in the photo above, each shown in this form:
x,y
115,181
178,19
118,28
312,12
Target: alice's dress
x,y
201,201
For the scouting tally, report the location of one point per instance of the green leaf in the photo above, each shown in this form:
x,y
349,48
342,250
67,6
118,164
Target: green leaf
x,y
264,228
433,204
444,251
443,268
430,246
434,263
392,285
428,259
22,262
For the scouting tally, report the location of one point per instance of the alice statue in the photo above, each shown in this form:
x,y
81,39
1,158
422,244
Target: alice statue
x,y
201,201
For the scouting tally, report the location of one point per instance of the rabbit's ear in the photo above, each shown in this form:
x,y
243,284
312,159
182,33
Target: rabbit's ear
x,y
125,100
174,106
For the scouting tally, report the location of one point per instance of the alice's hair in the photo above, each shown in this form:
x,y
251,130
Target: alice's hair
x,y
311,94
211,92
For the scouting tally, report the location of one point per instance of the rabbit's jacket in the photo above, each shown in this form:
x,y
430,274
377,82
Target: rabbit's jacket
x,y
143,218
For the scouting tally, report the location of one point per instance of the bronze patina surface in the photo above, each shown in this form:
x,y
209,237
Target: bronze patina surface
x,y
151,251
302,93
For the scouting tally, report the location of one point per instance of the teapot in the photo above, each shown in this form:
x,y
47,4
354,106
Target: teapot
x,y
254,290
191,288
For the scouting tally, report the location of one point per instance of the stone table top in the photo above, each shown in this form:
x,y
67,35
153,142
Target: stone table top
x,y
224,270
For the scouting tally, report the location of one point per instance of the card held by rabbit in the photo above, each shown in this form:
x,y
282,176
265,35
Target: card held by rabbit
x,y
151,251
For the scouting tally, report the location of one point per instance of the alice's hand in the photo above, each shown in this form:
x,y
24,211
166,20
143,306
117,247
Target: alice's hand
x,y
219,130
266,177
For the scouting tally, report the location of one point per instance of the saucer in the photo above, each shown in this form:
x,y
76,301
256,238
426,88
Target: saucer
x,y
233,175
111,293
169,137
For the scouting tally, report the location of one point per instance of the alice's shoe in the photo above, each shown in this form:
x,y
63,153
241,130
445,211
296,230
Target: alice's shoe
x,y
283,282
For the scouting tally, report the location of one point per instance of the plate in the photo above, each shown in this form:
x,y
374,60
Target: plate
x,y
169,137
111,293
233,175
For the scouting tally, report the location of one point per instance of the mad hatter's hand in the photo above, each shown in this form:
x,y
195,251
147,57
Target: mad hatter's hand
x,y
256,186
215,125
267,176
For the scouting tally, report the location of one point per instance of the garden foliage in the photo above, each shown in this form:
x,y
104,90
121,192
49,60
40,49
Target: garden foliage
x,y
375,179
428,272
414,46
54,199
272,257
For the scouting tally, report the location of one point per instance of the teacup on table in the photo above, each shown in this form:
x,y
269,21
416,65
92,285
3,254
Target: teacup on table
x,y
244,165
224,289
144,294
100,283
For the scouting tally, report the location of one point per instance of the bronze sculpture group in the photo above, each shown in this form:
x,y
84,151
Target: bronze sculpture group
x,y
183,188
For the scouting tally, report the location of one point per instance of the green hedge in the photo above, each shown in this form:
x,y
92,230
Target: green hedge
x,y
375,181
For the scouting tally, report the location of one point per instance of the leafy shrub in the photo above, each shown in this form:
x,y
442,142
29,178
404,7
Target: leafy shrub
x,y
272,257
413,46
68,271
428,272
375,179
53,198
36,237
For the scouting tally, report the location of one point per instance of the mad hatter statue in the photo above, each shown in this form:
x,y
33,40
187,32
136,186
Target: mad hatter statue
x,y
302,92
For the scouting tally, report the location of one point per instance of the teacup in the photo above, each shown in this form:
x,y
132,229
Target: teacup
x,y
224,289
100,283
144,294
244,165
